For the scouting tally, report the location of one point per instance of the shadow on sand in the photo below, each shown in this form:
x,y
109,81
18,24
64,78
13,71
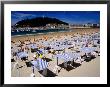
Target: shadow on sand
x,y
49,73
68,68
12,60
28,64
89,58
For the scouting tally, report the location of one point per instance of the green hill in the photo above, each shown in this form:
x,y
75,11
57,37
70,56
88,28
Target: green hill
x,y
38,22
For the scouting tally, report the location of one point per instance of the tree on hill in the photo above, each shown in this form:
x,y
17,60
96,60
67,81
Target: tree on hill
x,y
38,22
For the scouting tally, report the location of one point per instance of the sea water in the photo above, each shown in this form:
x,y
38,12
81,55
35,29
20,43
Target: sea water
x,y
21,33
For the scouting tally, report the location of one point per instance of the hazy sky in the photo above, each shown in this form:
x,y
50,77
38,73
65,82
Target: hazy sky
x,y
72,17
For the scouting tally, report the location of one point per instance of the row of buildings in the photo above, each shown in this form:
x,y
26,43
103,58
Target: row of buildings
x,y
88,25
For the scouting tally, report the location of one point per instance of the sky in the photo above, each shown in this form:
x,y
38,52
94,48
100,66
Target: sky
x,y
71,17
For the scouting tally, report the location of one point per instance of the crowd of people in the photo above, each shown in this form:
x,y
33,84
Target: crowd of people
x,y
74,47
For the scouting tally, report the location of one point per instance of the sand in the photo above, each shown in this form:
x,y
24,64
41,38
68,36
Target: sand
x,y
32,37
86,69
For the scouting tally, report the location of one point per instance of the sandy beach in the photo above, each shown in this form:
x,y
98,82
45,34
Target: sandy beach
x,y
52,34
85,69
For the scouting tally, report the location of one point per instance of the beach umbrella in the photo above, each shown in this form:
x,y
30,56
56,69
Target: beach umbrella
x,y
76,55
33,46
94,48
40,64
72,55
46,43
63,56
34,63
86,49
56,47
22,54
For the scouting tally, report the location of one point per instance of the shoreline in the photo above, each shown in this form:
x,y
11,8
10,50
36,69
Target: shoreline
x,y
72,29
50,34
